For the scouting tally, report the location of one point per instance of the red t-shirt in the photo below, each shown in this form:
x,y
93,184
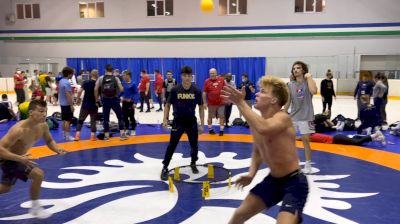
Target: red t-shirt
x,y
316,137
142,86
159,83
213,89
18,77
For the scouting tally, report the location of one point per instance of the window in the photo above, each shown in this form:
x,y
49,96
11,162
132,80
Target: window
x,y
309,6
232,7
91,9
28,11
160,7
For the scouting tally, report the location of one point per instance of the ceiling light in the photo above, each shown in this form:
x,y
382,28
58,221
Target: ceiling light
x,y
233,4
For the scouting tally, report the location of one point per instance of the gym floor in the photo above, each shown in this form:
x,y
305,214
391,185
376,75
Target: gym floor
x,y
119,181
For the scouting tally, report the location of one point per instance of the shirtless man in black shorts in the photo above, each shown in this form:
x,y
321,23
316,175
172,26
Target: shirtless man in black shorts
x,y
14,160
274,144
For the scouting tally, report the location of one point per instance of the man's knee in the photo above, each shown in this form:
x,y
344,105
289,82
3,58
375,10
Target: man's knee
x,y
36,174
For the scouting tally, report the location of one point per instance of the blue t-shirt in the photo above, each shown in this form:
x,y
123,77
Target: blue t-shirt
x,y
363,88
247,85
89,101
184,101
64,87
130,91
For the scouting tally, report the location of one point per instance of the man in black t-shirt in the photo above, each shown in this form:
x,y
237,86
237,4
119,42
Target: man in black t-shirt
x,y
184,98
89,106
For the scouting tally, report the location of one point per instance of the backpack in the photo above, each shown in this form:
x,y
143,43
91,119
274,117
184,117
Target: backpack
x,y
57,116
349,124
52,123
238,122
109,86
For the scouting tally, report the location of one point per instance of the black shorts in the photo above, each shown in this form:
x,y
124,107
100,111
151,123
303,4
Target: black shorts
x,y
291,189
66,113
14,170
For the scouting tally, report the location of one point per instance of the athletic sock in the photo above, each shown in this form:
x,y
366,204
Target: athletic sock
x,y
35,203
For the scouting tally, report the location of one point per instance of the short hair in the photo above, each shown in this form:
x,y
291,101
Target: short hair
x,y
36,103
67,71
245,75
94,72
156,71
186,70
169,71
303,66
109,68
4,96
143,71
279,88
128,73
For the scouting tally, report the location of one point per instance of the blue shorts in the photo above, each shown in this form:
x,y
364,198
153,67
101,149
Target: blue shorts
x,y
13,170
291,189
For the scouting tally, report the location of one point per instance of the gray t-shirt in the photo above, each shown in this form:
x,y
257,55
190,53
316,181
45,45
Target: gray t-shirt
x,y
301,107
379,89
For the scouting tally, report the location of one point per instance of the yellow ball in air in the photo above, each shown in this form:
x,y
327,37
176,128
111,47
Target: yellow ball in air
x,y
207,5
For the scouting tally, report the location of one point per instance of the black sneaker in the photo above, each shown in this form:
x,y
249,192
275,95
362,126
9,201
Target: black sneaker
x,y
147,111
221,133
194,168
164,173
211,132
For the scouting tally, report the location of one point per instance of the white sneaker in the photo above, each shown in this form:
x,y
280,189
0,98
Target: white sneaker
x,y
132,133
307,168
381,138
39,212
69,138
123,137
367,131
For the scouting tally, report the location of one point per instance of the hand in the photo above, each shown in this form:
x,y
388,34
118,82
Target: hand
x,y
72,108
323,99
28,161
201,129
134,106
146,93
232,95
243,181
62,152
165,124
98,104
308,75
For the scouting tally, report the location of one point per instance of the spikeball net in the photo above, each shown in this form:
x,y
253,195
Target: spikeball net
x,y
214,174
